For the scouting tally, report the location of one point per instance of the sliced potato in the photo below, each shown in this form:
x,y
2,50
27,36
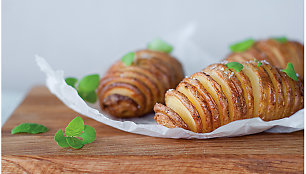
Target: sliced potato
x,y
271,48
237,106
173,116
288,94
149,75
215,90
199,102
258,87
166,57
247,92
157,69
142,78
296,56
139,85
210,102
129,98
277,83
270,93
179,103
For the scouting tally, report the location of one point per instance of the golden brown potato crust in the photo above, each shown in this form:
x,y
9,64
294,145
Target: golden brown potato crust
x,y
132,91
274,52
216,96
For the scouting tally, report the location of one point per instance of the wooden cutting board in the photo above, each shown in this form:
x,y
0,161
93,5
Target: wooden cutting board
x,y
118,151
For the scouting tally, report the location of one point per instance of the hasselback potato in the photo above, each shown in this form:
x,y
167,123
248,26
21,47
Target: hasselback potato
x,y
219,95
131,91
275,51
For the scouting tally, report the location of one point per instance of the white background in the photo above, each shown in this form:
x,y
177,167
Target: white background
x,y
83,37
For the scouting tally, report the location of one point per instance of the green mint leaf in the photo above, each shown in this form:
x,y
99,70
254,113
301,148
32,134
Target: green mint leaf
x,y
128,58
75,127
61,139
90,97
89,134
71,81
74,142
258,62
160,45
290,71
235,65
281,39
31,128
242,46
89,83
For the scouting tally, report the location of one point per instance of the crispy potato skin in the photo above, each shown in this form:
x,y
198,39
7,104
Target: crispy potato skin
x,y
132,91
276,53
256,91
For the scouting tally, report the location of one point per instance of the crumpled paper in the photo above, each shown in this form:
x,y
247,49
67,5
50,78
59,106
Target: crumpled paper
x,y
193,59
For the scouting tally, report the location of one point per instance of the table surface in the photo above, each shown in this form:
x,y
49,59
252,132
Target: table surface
x,y
118,151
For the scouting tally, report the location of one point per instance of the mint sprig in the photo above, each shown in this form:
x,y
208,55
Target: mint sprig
x,y
234,65
281,39
74,131
31,128
87,86
242,46
290,71
258,62
128,58
71,81
160,45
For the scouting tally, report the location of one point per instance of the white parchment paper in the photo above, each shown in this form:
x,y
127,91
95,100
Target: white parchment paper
x,y
193,59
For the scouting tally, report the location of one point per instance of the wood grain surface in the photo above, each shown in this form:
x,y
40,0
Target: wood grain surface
x,y
115,151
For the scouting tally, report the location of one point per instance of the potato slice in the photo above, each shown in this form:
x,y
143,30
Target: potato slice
x,y
247,92
128,97
209,101
158,70
199,102
215,90
166,57
167,69
288,94
270,92
149,75
175,119
271,48
142,78
295,92
236,103
296,51
179,103
139,85
277,83
301,87
258,87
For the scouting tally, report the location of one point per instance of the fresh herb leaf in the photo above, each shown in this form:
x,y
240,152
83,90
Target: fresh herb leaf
x,y
160,45
74,142
75,127
234,65
290,71
281,39
128,58
61,139
242,46
89,83
89,134
31,128
258,62
71,81
90,97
